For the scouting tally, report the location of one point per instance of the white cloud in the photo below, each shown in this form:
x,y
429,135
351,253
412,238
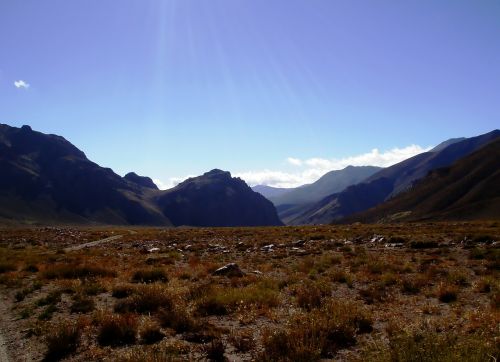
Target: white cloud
x,y
21,84
314,168
294,161
172,182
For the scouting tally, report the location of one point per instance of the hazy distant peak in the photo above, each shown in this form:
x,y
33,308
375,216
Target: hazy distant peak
x,y
447,143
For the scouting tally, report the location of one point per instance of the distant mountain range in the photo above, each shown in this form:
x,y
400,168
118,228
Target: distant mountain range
x,y
290,203
269,191
390,181
45,179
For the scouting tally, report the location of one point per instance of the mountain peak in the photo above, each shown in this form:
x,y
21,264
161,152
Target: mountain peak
x,y
141,180
217,172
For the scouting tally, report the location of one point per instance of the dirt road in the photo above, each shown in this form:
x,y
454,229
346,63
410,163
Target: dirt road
x,y
4,355
93,243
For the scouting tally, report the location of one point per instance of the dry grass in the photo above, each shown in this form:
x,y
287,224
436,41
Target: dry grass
x,y
339,295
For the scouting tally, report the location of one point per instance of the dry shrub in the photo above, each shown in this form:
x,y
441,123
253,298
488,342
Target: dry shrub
x,y
374,293
116,330
76,271
151,333
310,295
147,298
82,304
149,275
430,346
178,319
317,334
62,339
447,293
219,301
122,291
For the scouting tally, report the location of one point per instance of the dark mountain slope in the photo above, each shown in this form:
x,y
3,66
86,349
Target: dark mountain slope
x,y
469,189
47,179
143,181
216,199
388,182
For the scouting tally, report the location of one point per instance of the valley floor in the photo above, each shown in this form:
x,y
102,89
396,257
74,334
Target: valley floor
x,y
402,292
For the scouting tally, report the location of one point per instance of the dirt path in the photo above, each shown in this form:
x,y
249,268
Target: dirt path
x,y
4,355
93,243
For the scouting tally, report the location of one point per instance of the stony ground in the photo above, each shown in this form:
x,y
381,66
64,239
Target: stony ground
x,y
426,292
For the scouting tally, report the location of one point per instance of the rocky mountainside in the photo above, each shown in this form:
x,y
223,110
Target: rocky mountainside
x,y
469,189
45,179
143,181
217,199
389,182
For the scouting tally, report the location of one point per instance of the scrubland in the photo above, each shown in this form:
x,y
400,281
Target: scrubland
x,y
402,292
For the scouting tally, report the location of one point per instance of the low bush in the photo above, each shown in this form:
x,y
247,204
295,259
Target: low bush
x,y
122,291
178,319
317,334
151,333
429,346
116,330
146,299
447,293
76,271
218,301
149,275
62,340
82,304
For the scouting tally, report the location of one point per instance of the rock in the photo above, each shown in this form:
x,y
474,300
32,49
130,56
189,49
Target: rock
x,y
152,250
298,243
267,248
229,270
394,245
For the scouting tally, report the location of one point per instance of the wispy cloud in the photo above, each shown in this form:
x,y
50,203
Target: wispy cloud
x,y
309,170
294,161
21,84
172,182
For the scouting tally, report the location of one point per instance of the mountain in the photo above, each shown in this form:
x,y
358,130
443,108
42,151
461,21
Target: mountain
x,y
269,191
469,189
216,199
329,183
293,202
388,182
447,143
47,179
143,181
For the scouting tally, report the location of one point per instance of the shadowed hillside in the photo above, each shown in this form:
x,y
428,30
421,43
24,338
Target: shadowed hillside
x,y
217,199
389,182
466,190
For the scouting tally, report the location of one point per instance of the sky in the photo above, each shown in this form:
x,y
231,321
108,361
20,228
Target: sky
x,y
276,91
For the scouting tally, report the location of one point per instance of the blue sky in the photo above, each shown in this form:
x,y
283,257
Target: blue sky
x,y
277,91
